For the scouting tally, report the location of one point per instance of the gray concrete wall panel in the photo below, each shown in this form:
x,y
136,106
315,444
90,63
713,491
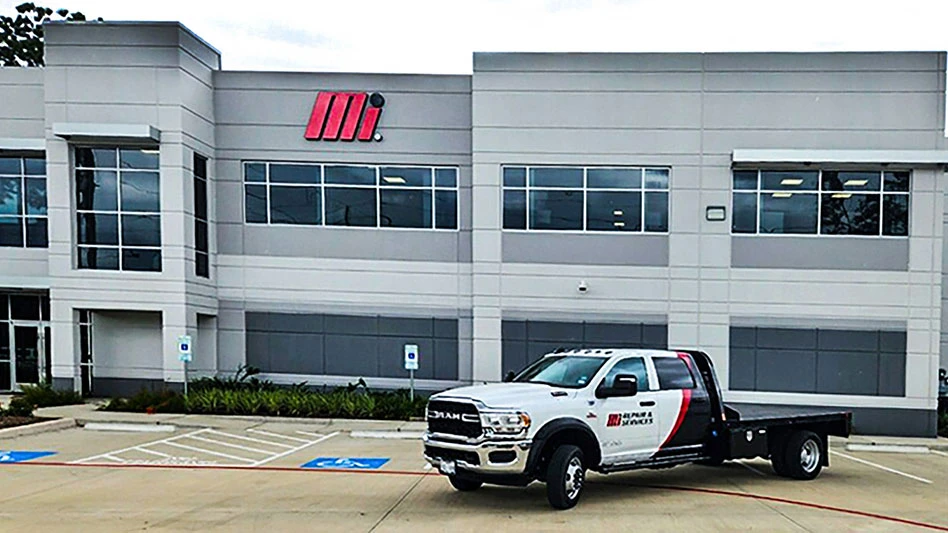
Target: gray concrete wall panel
x,y
815,253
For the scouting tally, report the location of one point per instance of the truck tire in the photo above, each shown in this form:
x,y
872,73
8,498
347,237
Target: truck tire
x,y
565,477
464,484
778,458
803,456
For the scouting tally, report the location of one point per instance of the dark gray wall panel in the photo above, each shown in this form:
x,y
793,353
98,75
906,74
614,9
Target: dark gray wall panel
x,y
125,387
523,341
825,361
348,345
626,250
838,253
786,370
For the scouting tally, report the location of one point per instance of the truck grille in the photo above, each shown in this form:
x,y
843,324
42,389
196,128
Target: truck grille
x,y
453,418
445,454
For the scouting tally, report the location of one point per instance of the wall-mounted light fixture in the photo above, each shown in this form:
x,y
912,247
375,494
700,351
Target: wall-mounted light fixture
x,y
715,213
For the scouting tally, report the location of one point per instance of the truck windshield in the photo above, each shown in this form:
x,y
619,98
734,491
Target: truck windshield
x,y
562,371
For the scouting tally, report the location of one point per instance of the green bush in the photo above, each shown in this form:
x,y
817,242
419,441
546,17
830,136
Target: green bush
x,y
243,379
44,395
147,401
18,407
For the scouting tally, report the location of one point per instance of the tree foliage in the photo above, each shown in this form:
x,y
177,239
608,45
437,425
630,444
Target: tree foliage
x,y
21,38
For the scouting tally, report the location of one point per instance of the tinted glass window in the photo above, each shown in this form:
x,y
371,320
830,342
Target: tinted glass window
x,y
673,373
351,207
744,216
614,178
515,209
632,365
200,198
350,175
11,199
35,196
255,203
405,209
446,213
895,215
745,180
446,177
24,307
256,172
295,205
141,260
98,229
789,180
139,159
562,371
897,181
10,166
850,181
556,177
11,231
613,211
141,230
98,258
36,233
556,210
97,190
280,173
850,214
515,177
96,158
405,177
656,211
656,178
788,213
140,192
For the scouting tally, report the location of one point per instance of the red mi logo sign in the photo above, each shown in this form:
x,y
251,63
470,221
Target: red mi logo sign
x,y
336,117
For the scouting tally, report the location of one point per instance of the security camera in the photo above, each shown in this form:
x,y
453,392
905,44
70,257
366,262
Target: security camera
x,y
582,286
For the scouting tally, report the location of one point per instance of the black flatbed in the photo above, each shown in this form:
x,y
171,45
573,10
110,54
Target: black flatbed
x,y
757,413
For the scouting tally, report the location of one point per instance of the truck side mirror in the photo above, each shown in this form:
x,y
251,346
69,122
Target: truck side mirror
x,y
509,377
625,385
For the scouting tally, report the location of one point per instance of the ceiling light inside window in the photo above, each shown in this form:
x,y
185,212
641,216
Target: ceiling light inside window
x,y
619,224
393,179
782,194
793,182
855,183
843,195
617,212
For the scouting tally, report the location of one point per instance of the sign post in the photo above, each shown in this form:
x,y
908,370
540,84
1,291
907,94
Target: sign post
x,y
184,355
411,364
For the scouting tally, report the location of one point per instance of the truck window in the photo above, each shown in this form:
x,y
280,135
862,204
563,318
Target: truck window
x,y
673,373
632,365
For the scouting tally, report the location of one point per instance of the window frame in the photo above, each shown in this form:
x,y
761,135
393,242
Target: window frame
x,y
819,192
377,187
23,216
119,212
585,189
205,220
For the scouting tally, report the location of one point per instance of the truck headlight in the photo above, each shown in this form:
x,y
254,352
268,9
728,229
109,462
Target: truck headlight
x,y
503,422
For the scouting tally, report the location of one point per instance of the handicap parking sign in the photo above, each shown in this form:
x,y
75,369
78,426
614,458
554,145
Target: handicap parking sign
x,y
347,463
20,456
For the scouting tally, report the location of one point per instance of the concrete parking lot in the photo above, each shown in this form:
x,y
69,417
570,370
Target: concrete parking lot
x,y
227,474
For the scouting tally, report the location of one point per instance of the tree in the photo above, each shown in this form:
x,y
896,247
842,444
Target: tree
x,y
21,38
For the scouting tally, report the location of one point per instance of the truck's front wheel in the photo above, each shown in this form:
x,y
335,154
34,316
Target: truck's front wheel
x,y
565,477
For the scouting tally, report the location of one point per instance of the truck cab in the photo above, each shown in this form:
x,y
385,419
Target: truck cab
x,y
607,410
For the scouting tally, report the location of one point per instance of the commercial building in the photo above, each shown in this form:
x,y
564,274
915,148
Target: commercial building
x,y
783,212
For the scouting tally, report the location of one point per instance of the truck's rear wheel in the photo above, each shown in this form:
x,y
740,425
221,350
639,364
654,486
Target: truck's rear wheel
x,y
565,477
778,458
464,484
803,456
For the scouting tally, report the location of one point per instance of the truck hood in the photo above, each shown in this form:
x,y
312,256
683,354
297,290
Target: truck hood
x,y
516,395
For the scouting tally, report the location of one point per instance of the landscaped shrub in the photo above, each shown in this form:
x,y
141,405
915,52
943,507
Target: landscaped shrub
x,y
18,407
44,395
147,401
243,379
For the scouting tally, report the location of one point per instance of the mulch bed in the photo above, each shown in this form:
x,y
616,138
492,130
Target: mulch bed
x,y
13,421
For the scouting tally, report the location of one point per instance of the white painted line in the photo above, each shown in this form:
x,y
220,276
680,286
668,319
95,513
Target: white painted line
x,y
407,435
137,446
294,450
140,428
228,445
277,435
751,468
427,466
939,452
307,433
880,467
208,452
111,458
250,439
153,452
886,448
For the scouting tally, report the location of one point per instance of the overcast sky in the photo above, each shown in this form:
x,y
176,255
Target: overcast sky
x,y
439,36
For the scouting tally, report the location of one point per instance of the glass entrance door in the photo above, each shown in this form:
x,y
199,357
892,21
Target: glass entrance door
x,y
26,355
6,370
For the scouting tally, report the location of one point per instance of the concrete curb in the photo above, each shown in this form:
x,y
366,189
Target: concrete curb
x,y
36,429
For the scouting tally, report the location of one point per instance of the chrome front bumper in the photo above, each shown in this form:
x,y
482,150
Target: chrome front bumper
x,y
483,450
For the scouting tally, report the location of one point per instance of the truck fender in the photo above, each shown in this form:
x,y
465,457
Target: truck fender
x,y
567,429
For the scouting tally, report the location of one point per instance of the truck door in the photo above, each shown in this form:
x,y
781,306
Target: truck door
x,y
684,416
627,425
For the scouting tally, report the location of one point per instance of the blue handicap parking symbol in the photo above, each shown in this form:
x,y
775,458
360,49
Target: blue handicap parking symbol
x,y
347,463
19,457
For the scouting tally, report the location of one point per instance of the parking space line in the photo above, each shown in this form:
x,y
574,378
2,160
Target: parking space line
x,y
939,452
208,452
751,468
116,459
880,467
228,445
294,450
277,435
153,452
307,433
250,439
130,448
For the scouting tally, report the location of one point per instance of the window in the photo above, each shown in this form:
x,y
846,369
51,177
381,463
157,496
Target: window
x,y
613,199
562,371
201,255
351,195
673,373
23,219
118,209
823,202
634,366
